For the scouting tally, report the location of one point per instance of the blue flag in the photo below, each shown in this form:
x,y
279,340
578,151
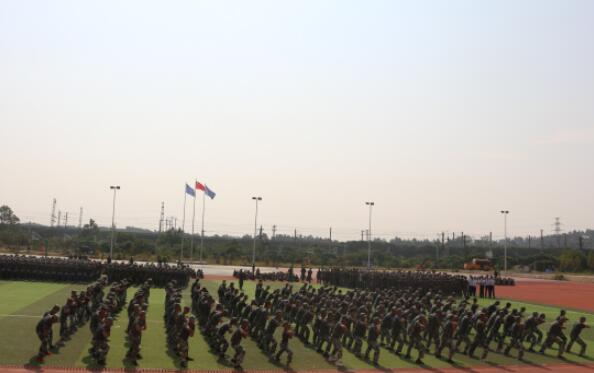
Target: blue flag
x,y
209,192
190,191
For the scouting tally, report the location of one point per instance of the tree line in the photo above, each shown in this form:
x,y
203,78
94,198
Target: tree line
x,y
555,252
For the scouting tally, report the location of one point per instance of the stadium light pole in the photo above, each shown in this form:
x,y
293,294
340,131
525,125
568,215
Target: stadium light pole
x,y
370,204
257,199
505,212
114,188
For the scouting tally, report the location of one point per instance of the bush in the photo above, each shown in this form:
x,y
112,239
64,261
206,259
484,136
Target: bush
x,y
559,277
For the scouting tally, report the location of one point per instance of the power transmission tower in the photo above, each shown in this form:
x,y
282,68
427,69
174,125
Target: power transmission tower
x,y
53,217
162,217
80,216
557,230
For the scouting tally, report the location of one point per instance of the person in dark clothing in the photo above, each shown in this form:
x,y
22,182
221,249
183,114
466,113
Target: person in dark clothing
x,y
373,335
284,345
574,336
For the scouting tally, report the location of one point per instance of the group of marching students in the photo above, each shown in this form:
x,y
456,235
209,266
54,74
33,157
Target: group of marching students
x,y
77,310
179,323
405,321
232,315
100,310
409,321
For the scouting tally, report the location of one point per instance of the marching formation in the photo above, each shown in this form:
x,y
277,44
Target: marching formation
x,y
411,321
354,278
407,313
102,319
21,267
137,309
179,324
73,314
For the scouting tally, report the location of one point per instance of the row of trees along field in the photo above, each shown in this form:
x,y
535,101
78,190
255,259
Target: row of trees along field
x,y
558,252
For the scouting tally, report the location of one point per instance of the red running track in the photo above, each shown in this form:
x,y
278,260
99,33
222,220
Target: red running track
x,y
572,295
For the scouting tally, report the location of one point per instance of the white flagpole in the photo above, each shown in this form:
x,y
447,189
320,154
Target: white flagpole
x,y
193,217
181,256
202,230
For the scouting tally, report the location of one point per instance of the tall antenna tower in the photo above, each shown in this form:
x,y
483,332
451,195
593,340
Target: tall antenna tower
x,y
53,217
557,225
80,216
162,217
557,229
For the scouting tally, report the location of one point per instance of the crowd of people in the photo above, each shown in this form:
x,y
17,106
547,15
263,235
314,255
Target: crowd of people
x,y
21,267
92,305
364,279
410,313
416,312
160,274
73,314
75,269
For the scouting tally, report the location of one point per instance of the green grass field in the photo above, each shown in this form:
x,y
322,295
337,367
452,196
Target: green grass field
x,y
22,303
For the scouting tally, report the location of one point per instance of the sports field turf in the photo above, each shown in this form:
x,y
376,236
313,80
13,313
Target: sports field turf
x,y
22,303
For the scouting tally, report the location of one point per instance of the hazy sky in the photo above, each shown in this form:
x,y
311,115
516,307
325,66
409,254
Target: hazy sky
x,y
442,112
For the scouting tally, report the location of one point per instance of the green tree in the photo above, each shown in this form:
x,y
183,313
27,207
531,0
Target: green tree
x,y
572,261
590,261
7,216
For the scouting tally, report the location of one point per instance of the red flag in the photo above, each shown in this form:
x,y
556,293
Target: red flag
x,y
199,186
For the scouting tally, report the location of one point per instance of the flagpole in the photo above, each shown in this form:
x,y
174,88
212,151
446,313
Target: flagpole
x,y
202,230
181,256
193,218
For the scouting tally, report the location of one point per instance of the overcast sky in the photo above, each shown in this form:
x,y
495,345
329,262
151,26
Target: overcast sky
x,y
441,112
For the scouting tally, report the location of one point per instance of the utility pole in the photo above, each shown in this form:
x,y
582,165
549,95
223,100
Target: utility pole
x,y
362,234
59,218
505,213
443,242
558,230
330,241
295,237
490,239
541,242
529,242
66,220
256,199
370,204
53,217
274,231
260,236
114,188
80,218
464,242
